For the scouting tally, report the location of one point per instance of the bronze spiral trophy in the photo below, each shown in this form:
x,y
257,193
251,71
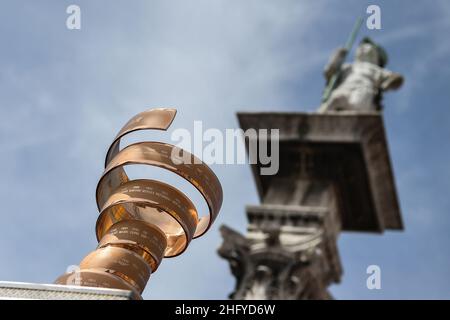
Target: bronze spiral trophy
x,y
141,221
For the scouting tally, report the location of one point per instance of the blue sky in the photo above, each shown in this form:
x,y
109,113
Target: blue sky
x,y
64,95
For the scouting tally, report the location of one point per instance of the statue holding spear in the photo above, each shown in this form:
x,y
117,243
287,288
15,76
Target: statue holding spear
x,y
358,86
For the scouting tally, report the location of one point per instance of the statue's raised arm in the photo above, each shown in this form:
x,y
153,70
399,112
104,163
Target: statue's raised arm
x,y
335,63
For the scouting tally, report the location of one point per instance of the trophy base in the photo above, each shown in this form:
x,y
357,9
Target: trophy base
x,y
37,291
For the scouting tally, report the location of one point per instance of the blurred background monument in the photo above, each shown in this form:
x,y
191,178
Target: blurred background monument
x,y
335,175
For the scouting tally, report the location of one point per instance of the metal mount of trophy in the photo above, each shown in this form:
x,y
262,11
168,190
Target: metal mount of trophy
x,y
142,221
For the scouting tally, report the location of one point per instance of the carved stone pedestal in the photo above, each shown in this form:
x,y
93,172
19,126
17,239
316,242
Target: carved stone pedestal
x,y
335,175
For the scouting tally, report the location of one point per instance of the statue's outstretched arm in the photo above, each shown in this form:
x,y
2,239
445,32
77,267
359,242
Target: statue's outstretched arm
x,y
392,81
336,59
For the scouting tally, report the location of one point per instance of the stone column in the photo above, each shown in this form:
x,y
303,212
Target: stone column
x,y
335,175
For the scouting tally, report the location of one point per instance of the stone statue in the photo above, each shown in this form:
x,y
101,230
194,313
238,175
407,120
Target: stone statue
x,y
360,85
334,176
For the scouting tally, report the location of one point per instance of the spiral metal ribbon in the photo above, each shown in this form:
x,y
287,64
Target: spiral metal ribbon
x,y
142,220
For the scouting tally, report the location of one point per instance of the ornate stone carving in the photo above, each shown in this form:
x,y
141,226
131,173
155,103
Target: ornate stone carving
x,y
288,254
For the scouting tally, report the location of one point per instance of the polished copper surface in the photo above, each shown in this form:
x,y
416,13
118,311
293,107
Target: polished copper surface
x,y
156,203
97,279
144,239
154,119
121,262
143,220
159,155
